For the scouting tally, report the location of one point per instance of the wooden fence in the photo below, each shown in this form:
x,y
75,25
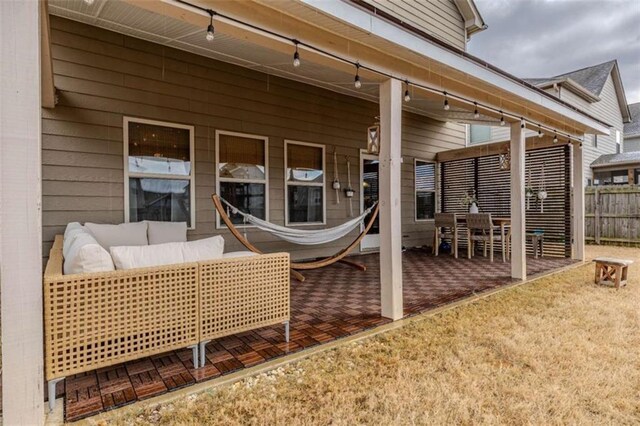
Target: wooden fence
x,y
613,214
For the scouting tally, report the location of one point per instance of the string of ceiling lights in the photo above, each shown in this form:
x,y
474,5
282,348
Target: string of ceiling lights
x,y
357,82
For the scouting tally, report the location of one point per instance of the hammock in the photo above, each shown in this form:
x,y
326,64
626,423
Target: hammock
x,y
301,236
338,257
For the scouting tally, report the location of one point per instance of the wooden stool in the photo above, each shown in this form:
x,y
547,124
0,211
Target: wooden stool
x,y
611,271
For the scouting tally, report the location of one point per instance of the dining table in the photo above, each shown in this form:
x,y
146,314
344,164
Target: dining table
x,y
505,231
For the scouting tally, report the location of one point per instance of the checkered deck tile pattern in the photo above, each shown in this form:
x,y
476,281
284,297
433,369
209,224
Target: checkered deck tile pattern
x,y
331,303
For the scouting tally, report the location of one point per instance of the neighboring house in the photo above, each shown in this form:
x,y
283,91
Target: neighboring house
x,y
632,129
617,169
597,90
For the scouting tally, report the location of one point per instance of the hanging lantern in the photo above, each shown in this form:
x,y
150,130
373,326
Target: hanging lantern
x,y
505,160
373,139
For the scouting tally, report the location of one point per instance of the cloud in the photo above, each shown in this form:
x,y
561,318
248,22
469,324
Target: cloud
x,y
543,38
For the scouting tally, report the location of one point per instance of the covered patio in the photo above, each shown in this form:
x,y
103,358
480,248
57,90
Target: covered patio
x,y
332,303
105,64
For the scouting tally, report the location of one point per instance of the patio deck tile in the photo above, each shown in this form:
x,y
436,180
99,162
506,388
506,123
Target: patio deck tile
x,y
331,303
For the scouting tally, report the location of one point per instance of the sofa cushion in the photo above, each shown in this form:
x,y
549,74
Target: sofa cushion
x,y
166,232
84,254
72,229
124,234
130,257
205,249
233,254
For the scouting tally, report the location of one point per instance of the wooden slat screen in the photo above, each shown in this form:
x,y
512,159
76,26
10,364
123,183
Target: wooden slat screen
x,y
492,188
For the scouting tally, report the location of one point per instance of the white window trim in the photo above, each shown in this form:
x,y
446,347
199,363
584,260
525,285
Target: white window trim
x,y
191,177
435,191
288,142
265,181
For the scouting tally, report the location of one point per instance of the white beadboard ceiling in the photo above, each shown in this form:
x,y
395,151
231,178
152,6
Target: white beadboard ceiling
x,y
125,18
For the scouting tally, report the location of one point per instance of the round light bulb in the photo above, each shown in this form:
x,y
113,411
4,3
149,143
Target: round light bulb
x,y
476,114
210,32
407,97
446,105
296,59
555,139
357,83
502,122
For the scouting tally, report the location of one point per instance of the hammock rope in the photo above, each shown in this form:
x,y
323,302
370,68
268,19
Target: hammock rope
x,y
306,237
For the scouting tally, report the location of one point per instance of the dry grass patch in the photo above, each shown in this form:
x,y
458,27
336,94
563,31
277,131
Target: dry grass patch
x,y
558,351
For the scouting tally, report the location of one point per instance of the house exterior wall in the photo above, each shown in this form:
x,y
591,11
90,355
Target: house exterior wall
x,y
440,18
103,76
607,110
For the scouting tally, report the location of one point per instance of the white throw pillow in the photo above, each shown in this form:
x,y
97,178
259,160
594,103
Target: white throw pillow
x,y
205,249
124,234
130,257
86,255
73,229
166,232
233,254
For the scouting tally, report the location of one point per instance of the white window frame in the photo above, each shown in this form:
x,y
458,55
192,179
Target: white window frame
x,y
435,191
288,142
191,177
265,181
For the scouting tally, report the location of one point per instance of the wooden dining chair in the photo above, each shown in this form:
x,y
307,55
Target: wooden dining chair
x,y
446,227
480,228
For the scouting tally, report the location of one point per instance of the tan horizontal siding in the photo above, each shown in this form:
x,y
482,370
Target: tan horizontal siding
x,y
102,77
440,18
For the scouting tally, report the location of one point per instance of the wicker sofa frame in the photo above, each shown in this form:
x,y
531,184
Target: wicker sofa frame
x,y
97,320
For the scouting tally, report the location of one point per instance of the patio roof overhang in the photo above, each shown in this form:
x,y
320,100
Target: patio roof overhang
x,y
345,30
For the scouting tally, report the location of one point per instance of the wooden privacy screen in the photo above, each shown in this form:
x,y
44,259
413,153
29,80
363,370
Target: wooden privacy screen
x,y
492,187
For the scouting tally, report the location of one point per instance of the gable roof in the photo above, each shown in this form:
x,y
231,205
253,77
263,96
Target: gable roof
x,y
473,21
588,83
632,129
623,158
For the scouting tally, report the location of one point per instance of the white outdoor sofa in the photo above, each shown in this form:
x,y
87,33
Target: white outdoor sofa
x,y
98,319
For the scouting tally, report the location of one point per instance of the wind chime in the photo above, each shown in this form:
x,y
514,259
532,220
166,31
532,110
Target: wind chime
x,y
348,191
529,190
336,179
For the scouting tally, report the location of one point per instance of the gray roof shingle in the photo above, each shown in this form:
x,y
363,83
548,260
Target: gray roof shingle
x,y
633,129
591,78
613,159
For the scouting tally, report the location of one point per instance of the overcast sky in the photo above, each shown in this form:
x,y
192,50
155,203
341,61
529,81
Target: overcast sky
x,y
543,38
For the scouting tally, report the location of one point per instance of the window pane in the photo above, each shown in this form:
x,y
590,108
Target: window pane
x,y
247,197
166,200
304,163
425,176
305,204
241,157
425,205
159,149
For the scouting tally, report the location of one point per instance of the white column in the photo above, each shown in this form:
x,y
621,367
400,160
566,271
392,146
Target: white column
x,y
390,207
518,221
578,202
20,215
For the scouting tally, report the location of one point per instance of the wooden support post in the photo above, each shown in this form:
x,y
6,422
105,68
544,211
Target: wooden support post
x,y
518,224
390,207
20,214
596,221
578,203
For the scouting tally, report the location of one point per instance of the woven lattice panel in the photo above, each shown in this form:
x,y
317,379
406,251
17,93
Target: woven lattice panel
x,y
101,319
242,294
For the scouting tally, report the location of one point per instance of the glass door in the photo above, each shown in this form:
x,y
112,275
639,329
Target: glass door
x,y
369,195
